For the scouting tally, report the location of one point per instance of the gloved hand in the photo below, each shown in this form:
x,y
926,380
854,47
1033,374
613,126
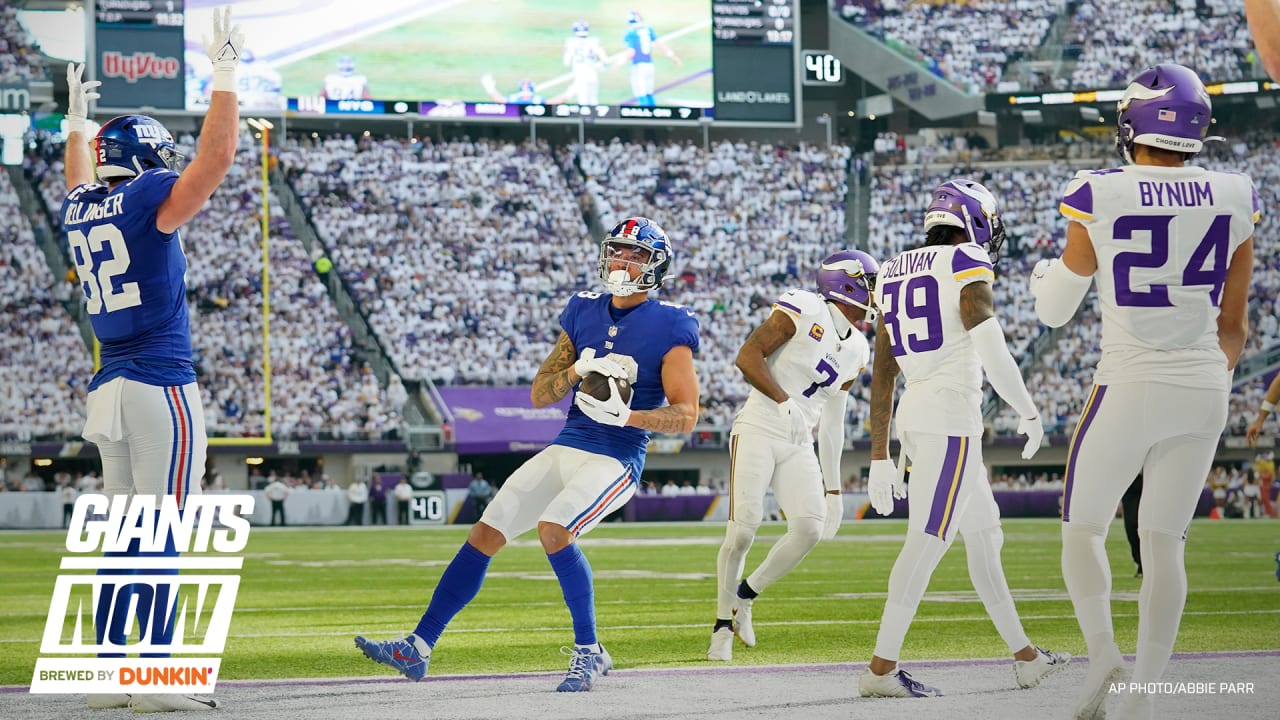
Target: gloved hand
x,y
800,431
588,362
224,50
613,411
835,513
1034,430
78,96
885,484
1039,271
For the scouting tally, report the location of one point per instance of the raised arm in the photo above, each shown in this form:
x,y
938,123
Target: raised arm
x,y
218,135
77,158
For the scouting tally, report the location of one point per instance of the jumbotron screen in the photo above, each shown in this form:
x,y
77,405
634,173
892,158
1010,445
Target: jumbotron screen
x,y
494,58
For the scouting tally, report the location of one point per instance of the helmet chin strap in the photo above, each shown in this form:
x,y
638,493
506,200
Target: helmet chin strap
x,y
844,328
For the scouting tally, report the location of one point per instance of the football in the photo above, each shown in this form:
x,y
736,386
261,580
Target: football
x,y
597,386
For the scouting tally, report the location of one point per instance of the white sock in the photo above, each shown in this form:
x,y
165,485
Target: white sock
x,y
1160,603
1088,577
423,648
593,648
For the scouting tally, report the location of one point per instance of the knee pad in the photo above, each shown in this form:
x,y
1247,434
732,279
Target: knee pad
x,y
738,536
805,530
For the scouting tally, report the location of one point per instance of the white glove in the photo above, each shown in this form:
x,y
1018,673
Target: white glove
x,y
801,433
1039,271
1034,430
835,513
588,362
224,50
606,412
885,484
78,96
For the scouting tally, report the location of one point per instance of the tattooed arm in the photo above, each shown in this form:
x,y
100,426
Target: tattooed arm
x,y
680,385
556,376
884,375
760,344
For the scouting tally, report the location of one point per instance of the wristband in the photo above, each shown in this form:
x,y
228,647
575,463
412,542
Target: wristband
x,y
224,80
1268,407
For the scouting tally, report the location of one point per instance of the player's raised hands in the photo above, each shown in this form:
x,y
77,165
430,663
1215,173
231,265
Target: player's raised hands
x,y
614,411
224,49
78,96
884,484
1034,430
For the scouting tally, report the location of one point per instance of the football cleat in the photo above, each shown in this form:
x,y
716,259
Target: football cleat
x,y
400,654
171,703
1091,703
584,665
604,662
742,623
896,684
1137,706
721,645
1029,673
107,701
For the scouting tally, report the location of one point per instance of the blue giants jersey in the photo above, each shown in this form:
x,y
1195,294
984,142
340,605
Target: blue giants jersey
x,y
637,341
133,279
640,38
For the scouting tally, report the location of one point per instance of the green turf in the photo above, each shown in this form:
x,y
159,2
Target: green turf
x,y
444,54
305,592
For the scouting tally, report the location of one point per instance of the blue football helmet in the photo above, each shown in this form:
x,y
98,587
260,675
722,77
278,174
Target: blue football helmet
x,y
622,243
129,145
346,65
581,29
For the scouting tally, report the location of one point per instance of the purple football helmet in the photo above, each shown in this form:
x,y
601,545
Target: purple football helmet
x,y
1167,107
968,205
849,278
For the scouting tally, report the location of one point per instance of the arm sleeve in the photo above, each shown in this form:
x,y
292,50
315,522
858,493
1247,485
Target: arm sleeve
x,y
831,439
1002,371
1058,293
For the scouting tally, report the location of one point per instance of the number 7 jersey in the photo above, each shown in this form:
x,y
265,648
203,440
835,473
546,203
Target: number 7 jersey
x,y
1163,237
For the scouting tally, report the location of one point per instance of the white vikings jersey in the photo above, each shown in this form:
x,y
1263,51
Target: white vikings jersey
x,y
812,366
344,87
583,51
1164,237
918,293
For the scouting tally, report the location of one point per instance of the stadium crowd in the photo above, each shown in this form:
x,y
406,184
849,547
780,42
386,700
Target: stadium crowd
x,y
20,58
319,388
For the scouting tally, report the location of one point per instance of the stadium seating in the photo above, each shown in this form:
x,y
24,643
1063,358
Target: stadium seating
x,y
319,389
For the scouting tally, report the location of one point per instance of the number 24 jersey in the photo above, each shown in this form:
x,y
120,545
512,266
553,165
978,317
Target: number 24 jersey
x,y
1164,237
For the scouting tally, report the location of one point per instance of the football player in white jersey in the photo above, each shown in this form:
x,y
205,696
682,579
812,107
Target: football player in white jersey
x,y
800,362
1170,248
345,84
584,55
938,327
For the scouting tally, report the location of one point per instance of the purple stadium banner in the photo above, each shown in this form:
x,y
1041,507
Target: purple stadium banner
x,y
501,419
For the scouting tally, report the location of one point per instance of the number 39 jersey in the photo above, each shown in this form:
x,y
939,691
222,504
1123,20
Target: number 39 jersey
x,y
133,279
1164,237
812,366
918,293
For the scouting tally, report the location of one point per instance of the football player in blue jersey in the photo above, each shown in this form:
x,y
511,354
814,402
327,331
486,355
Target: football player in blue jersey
x,y
641,39
144,410
591,469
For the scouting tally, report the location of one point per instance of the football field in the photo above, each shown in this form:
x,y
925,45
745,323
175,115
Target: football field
x,y
305,592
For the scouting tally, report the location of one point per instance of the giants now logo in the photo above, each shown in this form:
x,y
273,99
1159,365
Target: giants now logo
x,y
98,612
139,65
